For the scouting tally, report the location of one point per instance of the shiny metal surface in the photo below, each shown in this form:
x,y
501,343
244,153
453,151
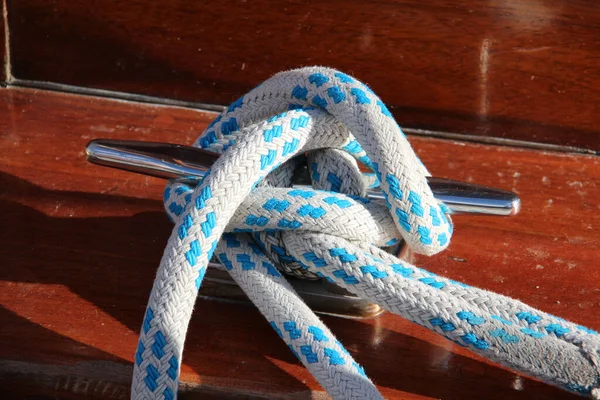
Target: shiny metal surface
x,y
171,161
468,198
162,160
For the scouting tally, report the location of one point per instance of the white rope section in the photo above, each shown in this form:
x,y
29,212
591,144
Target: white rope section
x,y
333,233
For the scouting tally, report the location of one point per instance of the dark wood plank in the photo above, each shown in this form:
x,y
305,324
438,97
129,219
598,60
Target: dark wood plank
x,y
3,46
511,69
80,245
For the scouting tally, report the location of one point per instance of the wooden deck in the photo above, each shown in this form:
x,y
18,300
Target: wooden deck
x,y
80,245
512,69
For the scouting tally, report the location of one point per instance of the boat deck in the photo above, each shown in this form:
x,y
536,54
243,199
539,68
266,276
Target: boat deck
x,y
80,245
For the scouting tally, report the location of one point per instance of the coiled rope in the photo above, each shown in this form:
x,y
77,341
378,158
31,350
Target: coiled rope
x,y
331,232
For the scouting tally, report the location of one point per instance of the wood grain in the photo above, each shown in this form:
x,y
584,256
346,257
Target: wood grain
x,y
512,69
80,245
3,35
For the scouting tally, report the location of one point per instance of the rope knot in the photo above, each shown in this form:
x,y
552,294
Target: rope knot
x,y
346,122
329,121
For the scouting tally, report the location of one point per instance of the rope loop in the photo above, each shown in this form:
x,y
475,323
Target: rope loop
x,y
246,213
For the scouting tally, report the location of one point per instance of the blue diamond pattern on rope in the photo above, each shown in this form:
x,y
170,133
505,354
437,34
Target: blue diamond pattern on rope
x,y
334,357
341,203
292,330
318,334
416,207
444,325
203,197
311,211
272,133
307,352
290,147
267,159
300,122
504,336
236,104
316,177
557,329
159,344
343,77
318,79
336,94
229,126
300,92
306,194
312,257
476,342
527,316
343,255
225,261
151,377
470,317
349,279
373,271
336,182
252,220
360,96
288,224
271,270
532,333
432,282
246,261
319,102
173,368
275,204
402,270
138,354
394,186
147,320
277,116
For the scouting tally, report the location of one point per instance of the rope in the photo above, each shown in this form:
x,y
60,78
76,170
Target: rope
x,y
330,120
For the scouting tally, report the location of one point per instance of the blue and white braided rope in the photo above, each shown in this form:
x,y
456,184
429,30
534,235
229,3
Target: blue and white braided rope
x,y
334,236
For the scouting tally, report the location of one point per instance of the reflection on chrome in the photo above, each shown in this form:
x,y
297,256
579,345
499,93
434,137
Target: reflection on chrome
x,y
518,383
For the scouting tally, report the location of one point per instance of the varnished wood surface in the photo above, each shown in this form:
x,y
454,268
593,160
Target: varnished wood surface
x,y
513,69
3,56
80,245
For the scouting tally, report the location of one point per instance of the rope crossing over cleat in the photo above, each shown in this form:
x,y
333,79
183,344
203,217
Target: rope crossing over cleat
x,y
246,213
